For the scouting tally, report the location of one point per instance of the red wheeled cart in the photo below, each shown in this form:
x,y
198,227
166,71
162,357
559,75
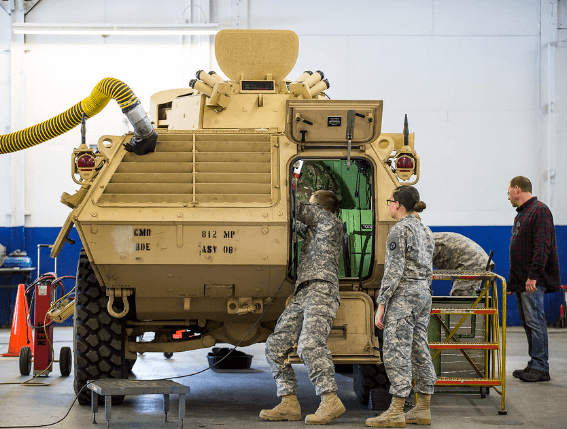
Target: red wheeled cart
x,y
41,295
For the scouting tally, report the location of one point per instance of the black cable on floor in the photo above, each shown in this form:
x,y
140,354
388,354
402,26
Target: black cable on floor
x,y
169,378
50,424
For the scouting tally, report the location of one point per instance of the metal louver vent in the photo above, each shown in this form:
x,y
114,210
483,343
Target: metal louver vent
x,y
198,168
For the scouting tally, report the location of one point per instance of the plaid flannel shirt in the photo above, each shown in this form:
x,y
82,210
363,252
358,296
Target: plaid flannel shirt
x,y
533,248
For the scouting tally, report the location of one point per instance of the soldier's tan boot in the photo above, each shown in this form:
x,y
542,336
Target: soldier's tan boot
x,y
287,409
393,417
421,413
329,408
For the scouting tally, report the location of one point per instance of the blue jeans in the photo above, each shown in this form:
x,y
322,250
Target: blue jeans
x,y
530,309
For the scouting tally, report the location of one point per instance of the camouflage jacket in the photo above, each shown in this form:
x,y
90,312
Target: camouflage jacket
x,y
315,176
408,269
319,258
456,252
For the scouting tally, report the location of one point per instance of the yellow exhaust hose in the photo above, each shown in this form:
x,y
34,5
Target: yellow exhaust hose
x,y
104,91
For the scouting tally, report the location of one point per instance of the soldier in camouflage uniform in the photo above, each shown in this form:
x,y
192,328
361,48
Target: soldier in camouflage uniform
x,y
404,305
316,176
456,252
308,318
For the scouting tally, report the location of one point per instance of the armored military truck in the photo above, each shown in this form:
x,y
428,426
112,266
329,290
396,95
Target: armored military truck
x,y
188,234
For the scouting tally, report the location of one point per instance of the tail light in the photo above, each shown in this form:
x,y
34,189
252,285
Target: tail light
x,y
405,167
405,163
85,163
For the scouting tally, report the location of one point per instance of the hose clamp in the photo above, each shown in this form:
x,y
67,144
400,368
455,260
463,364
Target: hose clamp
x,y
140,121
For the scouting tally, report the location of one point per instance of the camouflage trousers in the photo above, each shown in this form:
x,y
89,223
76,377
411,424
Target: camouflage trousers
x,y
406,349
307,322
464,287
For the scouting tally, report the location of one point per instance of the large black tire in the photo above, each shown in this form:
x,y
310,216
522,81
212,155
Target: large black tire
x,y
369,377
99,339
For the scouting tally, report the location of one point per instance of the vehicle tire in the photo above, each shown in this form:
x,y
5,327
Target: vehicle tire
x,y
368,377
99,338
65,361
167,355
25,360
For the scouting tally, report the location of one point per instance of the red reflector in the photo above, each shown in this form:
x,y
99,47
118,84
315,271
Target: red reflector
x,y
86,162
404,162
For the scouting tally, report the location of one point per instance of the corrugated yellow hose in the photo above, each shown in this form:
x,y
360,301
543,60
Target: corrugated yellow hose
x,y
104,91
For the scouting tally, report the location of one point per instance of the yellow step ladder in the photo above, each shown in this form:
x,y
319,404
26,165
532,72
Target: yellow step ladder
x,y
483,307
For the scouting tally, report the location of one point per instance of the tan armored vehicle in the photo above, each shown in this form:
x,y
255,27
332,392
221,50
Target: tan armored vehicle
x,y
190,229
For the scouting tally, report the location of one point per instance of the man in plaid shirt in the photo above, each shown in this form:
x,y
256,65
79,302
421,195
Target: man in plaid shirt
x,y
534,271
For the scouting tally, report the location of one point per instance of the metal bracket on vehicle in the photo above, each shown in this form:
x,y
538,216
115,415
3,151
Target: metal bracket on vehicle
x,y
243,306
123,293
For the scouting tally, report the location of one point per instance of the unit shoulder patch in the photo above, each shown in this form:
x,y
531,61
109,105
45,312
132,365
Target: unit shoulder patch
x,y
395,242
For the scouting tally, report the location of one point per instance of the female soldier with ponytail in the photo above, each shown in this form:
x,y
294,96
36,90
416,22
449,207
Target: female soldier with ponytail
x,y
404,305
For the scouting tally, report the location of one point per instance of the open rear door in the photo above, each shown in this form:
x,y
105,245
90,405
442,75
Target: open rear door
x,y
333,122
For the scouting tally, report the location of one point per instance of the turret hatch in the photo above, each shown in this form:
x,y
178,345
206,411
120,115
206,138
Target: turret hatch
x,y
256,54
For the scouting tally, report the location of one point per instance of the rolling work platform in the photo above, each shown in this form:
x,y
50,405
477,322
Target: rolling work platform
x,y
465,334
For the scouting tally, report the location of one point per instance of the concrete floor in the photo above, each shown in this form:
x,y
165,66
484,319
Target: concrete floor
x,y
233,399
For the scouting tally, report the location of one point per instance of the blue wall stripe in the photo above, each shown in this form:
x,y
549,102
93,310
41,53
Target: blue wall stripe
x,y
496,238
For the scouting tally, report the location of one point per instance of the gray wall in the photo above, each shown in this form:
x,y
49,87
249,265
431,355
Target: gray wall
x,y
471,75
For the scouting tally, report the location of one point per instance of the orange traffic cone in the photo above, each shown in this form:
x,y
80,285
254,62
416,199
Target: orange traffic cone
x,y
21,334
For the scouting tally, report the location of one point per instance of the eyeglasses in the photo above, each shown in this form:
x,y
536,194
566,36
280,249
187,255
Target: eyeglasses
x,y
391,201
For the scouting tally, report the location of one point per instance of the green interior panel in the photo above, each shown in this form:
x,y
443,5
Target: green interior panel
x,y
354,189
354,183
359,232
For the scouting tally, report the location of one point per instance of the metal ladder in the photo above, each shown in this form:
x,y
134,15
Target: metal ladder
x,y
493,375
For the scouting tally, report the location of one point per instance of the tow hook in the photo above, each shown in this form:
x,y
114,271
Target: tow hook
x,y
120,293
